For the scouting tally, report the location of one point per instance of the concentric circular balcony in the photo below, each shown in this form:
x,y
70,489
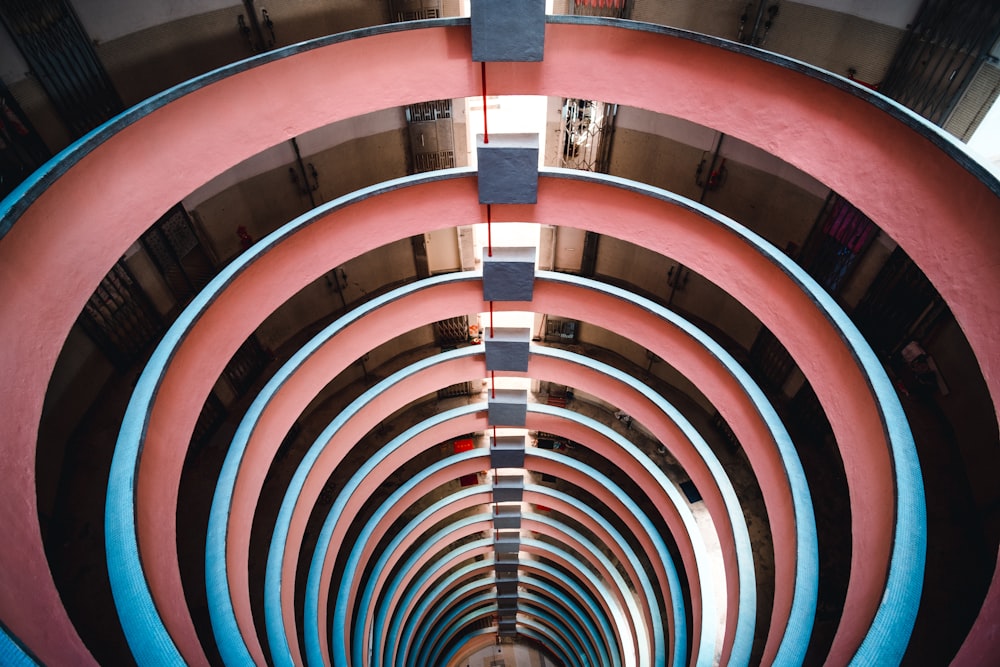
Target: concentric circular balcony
x,y
375,553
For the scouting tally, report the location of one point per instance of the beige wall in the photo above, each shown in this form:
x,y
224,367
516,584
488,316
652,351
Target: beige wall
x,y
143,63
263,202
703,300
589,334
35,103
299,20
373,272
659,161
829,39
512,655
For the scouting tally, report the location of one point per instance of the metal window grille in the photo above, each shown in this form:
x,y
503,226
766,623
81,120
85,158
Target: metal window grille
x,y
176,251
945,47
617,9
452,331
901,303
559,330
428,111
418,14
120,319
430,161
585,135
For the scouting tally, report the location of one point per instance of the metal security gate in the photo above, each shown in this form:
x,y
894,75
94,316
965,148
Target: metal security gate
x,y
120,319
615,9
62,57
175,249
22,150
450,333
585,136
772,362
432,137
836,243
902,304
943,50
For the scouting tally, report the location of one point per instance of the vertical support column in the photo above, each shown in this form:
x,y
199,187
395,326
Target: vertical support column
x,y
507,545
509,31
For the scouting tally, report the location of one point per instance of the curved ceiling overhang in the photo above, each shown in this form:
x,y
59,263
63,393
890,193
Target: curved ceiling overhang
x,y
851,152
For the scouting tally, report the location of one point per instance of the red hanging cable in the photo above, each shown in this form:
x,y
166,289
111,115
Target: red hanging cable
x,y
493,388
489,230
486,134
491,319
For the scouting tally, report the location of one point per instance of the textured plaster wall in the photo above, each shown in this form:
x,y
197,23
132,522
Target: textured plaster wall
x,y
263,202
829,39
176,51
590,334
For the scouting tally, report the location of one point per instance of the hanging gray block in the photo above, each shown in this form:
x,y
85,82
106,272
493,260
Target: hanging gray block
x,y
507,543
508,31
507,348
507,451
507,627
507,518
508,407
508,489
507,587
505,566
509,274
507,602
508,168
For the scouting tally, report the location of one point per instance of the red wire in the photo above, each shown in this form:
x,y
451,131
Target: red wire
x,y
486,134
